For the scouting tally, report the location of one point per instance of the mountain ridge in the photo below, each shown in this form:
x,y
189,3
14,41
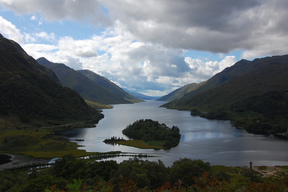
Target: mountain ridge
x,y
180,92
103,81
243,93
30,91
240,71
87,88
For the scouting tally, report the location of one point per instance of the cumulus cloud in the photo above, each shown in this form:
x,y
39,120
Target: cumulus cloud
x,y
10,31
78,10
146,41
203,70
215,26
80,48
45,35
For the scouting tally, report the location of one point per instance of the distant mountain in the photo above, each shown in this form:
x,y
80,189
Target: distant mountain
x,y
231,94
31,92
89,89
109,85
178,93
141,96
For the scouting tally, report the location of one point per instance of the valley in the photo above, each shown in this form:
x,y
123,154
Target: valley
x,y
49,110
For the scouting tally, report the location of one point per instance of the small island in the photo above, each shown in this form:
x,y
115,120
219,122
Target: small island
x,y
148,134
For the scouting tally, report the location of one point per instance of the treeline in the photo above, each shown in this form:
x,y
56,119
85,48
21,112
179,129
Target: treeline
x,y
265,114
149,130
113,138
77,175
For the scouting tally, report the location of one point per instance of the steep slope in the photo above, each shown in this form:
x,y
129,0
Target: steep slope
x,y
14,58
237,70
86,87
243,80
109,85
253,94
182,91
31,92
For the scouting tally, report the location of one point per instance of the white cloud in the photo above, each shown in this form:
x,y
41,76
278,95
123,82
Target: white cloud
x,y
204,70
10,31
78,10
30,38
218,27
46,36
226,62
145,43
80,48
74,63
33,18
150,68
213,26
41,50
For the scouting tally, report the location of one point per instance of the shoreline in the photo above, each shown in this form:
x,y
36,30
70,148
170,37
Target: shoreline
x,y
17,161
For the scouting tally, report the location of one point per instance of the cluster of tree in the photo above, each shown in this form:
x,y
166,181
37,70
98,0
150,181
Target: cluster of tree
x,y
72,174
149,130
220,114
265,114
113,138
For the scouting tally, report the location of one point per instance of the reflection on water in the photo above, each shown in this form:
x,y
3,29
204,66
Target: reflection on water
x,y
208,140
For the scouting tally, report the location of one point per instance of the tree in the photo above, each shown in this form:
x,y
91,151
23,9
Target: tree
x,y
143,173
185,170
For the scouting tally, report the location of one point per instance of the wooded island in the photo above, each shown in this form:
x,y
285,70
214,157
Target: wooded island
x,y
149,134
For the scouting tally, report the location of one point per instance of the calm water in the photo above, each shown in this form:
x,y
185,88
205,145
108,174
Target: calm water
x,y
209,140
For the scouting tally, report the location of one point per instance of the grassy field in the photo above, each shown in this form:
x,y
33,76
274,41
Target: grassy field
x,y
40,143
98,105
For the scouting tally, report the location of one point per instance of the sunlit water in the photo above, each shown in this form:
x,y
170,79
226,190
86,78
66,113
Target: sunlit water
x,y
209,140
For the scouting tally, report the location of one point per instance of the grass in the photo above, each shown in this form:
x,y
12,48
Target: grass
x,y
39,143
141,144
98,105
156,143
283,167
228,170
263,168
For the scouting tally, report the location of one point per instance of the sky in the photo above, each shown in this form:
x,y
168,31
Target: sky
x,y
150,46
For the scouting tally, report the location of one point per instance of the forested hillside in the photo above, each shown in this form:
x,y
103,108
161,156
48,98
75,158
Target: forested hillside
x,y
181,92
230,94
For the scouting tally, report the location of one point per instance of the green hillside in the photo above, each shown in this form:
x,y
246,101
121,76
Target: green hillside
x,y
182,91
236,86
32,93
87,88
109,85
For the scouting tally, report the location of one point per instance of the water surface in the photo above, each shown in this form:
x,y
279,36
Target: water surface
x,y
209,140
